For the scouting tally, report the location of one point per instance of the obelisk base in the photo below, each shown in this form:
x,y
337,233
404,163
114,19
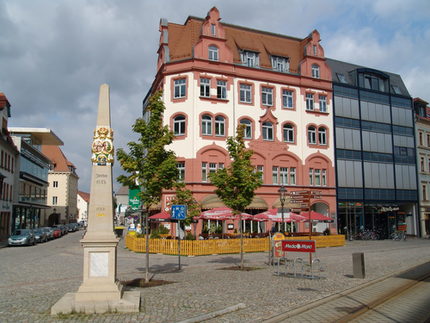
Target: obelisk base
x,y
129,303
100,292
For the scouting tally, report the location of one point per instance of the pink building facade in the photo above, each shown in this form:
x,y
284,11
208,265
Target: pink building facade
x,y
215,76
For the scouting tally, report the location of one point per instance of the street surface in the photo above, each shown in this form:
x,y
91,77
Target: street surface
x,y
33,278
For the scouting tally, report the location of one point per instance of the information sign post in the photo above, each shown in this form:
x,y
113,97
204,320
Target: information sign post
x,y
179,212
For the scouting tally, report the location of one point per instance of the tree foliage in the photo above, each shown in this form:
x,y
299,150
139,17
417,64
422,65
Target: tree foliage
x,y
148,163
237,183
185,197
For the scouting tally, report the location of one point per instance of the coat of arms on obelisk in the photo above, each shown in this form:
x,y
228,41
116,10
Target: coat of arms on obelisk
x,y
102,147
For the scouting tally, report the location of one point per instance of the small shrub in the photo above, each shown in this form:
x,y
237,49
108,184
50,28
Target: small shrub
x,y
189,236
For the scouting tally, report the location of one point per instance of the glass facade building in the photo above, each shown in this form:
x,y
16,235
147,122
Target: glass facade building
x,y
375,151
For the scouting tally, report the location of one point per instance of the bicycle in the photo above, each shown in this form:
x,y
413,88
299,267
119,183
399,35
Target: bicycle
x,y
398,235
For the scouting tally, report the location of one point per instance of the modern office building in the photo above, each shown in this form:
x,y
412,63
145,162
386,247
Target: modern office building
x,y
8,174
375,150
215,76
63,185
32,209
422,128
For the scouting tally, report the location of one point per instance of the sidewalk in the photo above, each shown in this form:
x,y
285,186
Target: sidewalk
x,y
344,306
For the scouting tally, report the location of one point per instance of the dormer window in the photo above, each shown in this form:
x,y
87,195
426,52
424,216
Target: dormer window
x,y
249,58
372,82
396,89
213,53
315,71
280,64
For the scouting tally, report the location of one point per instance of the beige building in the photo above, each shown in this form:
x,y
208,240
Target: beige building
x,y
63,185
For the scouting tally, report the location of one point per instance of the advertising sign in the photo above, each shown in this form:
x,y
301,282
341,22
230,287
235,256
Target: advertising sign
x,y
134,199
299,245
277,245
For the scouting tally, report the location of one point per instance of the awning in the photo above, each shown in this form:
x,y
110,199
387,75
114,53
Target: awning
x,y
315,216
221,213
162,216
211,201
287,204
258,203
276,216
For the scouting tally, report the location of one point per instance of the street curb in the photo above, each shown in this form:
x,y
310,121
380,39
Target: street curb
x,y
300,309
212,315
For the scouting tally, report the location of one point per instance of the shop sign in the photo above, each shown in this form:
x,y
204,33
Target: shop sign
x,y
299,245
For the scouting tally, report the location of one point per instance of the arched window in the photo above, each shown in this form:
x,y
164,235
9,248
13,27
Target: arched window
x,y
207,125
248,128
288,133
322,136
312,136
213,53
219,126
315,71
267,131
179,125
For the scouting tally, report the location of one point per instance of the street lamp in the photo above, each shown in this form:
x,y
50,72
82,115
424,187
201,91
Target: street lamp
x,y
282,197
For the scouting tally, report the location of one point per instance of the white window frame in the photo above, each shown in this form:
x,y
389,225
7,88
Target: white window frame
x,y
267,96
179,125
247,133
287,99
213,29
55,184
267,130
288,133
204,172
317,175
55,200
283,175
309,102
221,89
207,125
322,136
245,93
280,64
315,71
219,126
292,176
312,135
205,87
181,170
249,58
180,88
324,177
323,103
213,53
260,169
311,176
275,177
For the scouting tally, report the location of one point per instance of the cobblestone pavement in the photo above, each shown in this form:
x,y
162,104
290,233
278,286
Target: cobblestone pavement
x,y
33,278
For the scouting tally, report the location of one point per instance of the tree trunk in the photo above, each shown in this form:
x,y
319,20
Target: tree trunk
x,y
241,241
147,246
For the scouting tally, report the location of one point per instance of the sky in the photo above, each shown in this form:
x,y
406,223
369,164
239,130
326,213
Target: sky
x,y
54,55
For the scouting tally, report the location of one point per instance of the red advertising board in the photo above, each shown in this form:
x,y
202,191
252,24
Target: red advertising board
x,y
299,245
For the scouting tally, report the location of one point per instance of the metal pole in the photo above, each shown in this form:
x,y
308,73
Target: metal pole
x,y
179,245
310,228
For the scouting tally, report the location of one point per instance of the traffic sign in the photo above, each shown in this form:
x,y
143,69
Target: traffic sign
x,y
179,212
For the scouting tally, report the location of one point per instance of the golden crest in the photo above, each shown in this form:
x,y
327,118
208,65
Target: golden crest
x,y
102,147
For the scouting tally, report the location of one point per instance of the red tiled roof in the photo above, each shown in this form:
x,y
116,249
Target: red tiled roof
x,y
4,102
85,196
56,155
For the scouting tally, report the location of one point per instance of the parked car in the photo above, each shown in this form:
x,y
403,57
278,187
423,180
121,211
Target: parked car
x,y
49,232
22,237
72,227
57,232
40,235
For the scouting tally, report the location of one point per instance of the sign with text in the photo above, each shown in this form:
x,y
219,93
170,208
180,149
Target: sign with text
x,y
134,198
299,245
179,212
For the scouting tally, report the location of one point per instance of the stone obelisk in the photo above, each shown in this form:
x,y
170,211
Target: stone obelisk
x,y
100,291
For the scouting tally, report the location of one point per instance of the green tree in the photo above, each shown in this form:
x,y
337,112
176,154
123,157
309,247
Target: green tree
x,y
148,163
237,183
185,197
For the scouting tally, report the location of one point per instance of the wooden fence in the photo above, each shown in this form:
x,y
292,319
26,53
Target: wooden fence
x,y
219,246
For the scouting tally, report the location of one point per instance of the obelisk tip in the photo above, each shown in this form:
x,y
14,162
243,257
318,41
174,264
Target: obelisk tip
x,y
103,116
